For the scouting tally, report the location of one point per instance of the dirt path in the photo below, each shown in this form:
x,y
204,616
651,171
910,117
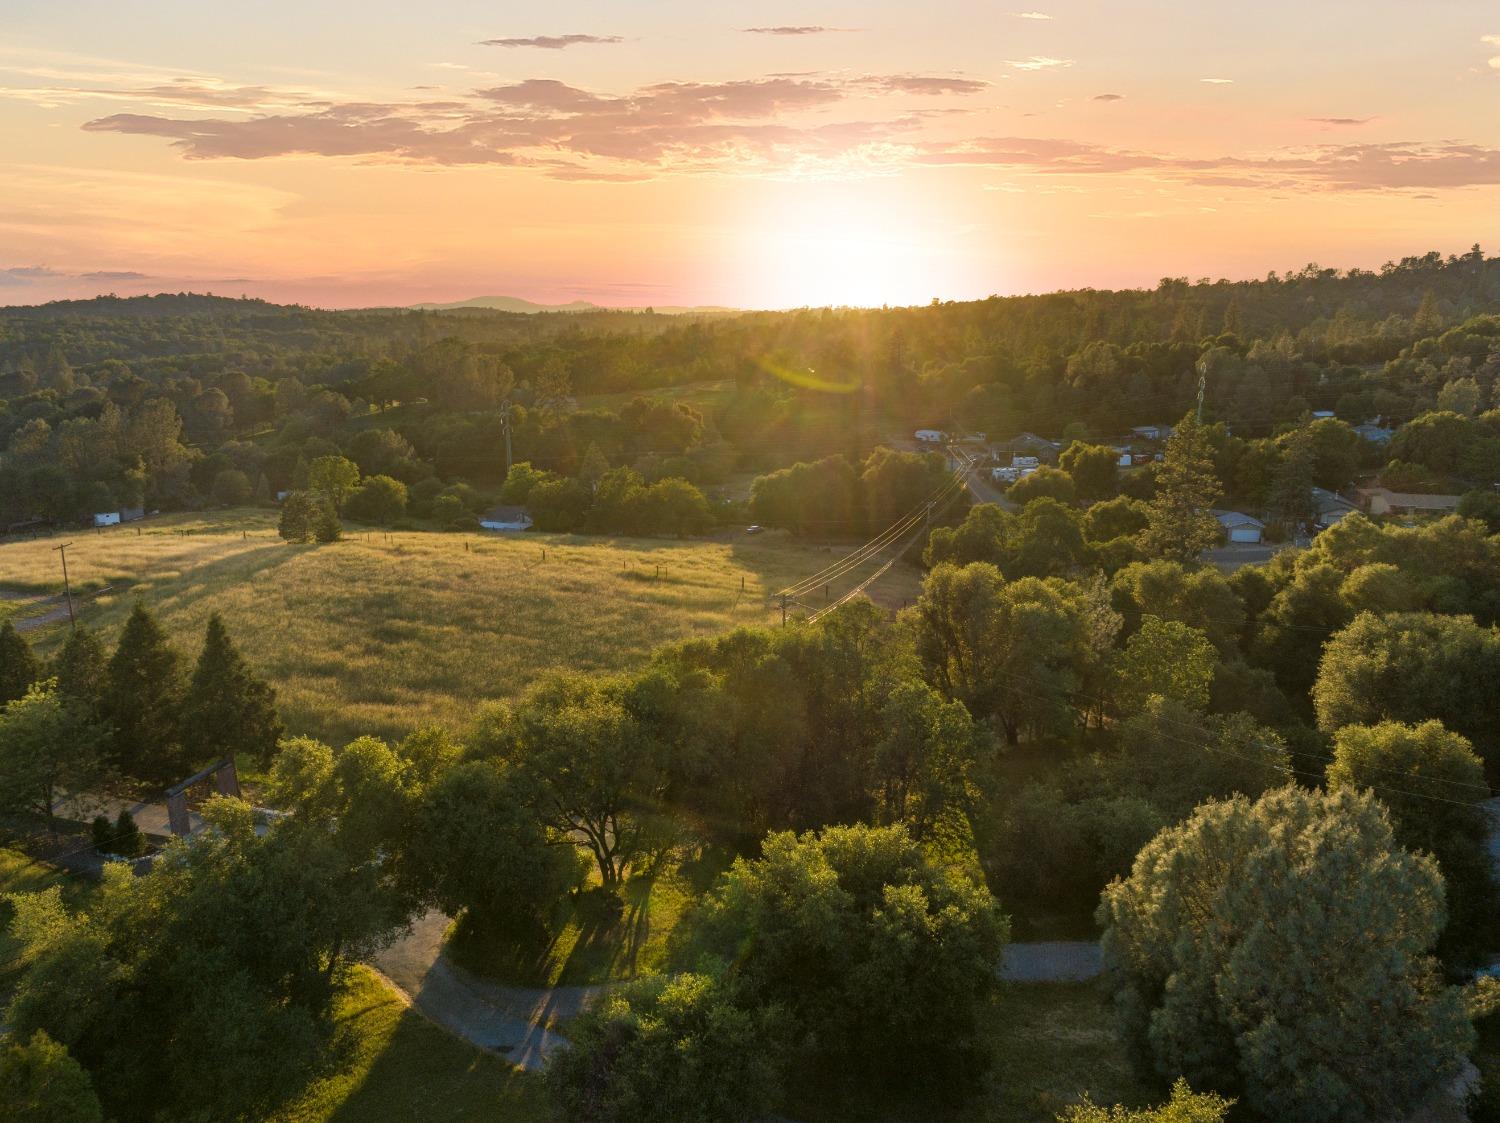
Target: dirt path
x,y
519,1022
1071,961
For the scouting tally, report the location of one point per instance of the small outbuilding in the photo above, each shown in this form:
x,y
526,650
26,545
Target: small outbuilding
x,y
931,436
1239,527
506,518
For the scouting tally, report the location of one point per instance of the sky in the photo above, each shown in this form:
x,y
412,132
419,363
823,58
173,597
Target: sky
x,y
762,155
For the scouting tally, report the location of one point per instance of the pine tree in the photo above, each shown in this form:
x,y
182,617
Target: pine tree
x,y
18,666
80,669
593,466
228,710
1291,490
1181,522
325,521
143,699
298,512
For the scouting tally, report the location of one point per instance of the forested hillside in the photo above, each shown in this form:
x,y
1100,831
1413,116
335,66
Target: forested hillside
x,y
151,400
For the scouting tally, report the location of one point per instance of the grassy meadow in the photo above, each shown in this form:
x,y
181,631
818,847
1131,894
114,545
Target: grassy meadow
x,y
381,633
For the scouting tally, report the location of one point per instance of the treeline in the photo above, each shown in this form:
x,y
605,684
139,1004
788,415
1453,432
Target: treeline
x,y
124,403
86,719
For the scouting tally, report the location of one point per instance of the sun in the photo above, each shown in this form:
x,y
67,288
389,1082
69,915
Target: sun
x,y
859,248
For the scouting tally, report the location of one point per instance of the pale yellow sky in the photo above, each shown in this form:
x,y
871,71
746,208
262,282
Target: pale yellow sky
x,y
761,155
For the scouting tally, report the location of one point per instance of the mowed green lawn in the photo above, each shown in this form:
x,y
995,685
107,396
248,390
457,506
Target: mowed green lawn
x,y
381,633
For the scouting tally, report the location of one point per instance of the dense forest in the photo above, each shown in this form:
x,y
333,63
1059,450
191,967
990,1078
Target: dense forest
x,y
181,401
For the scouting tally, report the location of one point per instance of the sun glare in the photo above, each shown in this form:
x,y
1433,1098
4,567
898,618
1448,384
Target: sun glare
x,y
832,250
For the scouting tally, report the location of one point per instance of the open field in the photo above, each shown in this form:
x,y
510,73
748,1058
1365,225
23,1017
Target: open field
x,y
381,633
702,396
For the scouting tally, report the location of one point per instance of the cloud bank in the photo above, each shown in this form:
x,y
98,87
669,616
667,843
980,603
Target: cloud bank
x,y
551,42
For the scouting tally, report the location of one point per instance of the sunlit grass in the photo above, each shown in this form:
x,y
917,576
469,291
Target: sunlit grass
x,y
398,1065
381,633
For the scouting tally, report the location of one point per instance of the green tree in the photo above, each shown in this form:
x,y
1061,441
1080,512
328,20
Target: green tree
x,y
335,477
1484,505
235,937
477,848
1250,944
1411,667
1165,659
672,1049
595,767
326,526
231,488
143,701
41,1083
1180,520
1094,468
380,499
299,512
1045,482
1433,784
1198,597
18,666
921,767
1291,502
865,942
80,669
1010,652
227,710
51,746
1185,1106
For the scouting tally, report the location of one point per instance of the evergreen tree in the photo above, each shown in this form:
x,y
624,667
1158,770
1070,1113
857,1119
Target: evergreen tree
x,y
1181,524
228,710
80,669
593,466
1291,492
143,700
297,515
18,666
325,521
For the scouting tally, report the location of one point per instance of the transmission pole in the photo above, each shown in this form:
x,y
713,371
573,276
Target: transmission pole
x,y
505,424
67,587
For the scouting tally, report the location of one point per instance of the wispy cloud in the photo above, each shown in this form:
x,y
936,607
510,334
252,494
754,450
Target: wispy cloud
x,y
569,132
796,29
1492,41
1108,97
1344,122
551,42
1218,81
1039,62
1031,15
1399,166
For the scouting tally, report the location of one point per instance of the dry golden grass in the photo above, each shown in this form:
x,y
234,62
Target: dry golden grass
x,y
382,633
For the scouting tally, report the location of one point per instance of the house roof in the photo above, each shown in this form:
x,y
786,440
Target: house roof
x,y
1231,519
1331,501
505,515
1415,501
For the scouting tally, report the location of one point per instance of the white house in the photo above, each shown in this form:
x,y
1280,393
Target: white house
x,y
1020,463
1005,475
1240,527
1152,432
107,518
123,515
506,518
933,436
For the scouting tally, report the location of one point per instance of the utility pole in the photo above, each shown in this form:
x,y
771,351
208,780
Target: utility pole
x,y
67,587
783,610
505,424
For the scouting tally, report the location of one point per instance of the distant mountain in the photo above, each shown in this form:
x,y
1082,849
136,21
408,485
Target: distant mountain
x,y
516,304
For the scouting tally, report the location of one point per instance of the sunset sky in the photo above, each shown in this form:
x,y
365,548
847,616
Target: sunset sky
x,y
752,154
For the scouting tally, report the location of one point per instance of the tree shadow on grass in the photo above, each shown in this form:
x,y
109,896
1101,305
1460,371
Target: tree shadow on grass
x,y
423,1073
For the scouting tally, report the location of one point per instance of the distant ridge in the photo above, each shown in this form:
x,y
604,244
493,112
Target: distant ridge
x,y
516,304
